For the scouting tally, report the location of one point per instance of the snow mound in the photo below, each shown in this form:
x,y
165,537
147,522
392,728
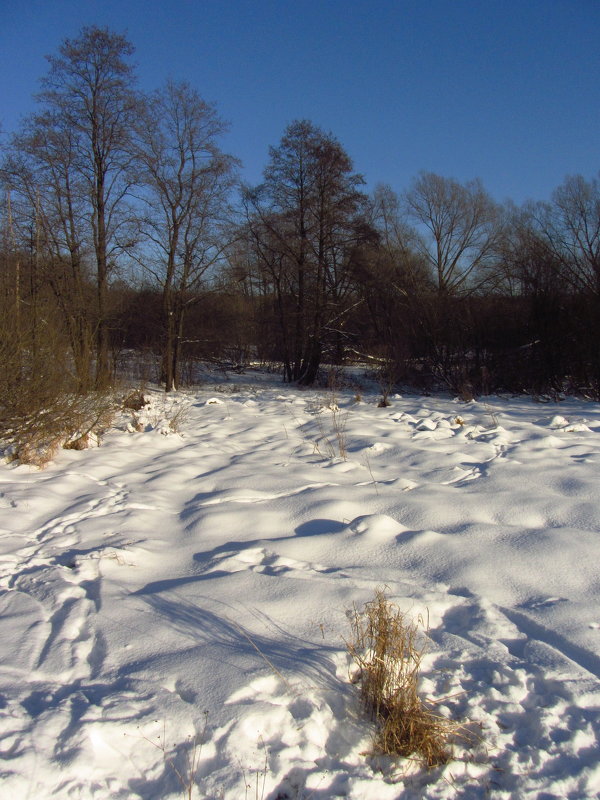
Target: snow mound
x,y
378,527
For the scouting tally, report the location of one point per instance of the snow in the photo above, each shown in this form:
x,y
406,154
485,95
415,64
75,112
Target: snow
x,y
171,587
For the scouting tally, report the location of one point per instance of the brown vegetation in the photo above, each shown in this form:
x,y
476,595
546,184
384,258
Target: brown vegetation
x,y
388,650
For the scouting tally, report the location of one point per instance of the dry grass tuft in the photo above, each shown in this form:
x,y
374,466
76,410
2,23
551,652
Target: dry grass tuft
x,y
177,418
388,650
332,443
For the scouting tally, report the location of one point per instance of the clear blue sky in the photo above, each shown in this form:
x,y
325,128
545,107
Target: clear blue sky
x,y
504,90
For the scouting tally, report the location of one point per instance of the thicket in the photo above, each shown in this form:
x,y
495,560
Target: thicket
x,y
125,231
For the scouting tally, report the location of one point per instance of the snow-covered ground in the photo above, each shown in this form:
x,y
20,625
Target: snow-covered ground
x,y
167,587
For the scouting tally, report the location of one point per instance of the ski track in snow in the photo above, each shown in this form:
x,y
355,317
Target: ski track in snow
x,y
166,587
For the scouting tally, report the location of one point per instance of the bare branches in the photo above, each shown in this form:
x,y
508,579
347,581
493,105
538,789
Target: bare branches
x,y
460,226
88,93
570,225
304,221
185,181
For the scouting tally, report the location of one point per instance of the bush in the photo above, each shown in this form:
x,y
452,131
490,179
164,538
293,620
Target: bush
x,y
33,430
40,408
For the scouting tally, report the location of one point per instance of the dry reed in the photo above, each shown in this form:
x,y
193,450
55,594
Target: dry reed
x,y
388,650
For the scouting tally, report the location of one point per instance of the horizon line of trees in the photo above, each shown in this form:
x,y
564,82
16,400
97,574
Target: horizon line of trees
x,y
124,225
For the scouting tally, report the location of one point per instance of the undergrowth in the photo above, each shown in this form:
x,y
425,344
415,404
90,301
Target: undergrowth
x,y
34,429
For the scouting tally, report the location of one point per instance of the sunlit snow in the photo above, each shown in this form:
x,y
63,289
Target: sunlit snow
x,y
170,586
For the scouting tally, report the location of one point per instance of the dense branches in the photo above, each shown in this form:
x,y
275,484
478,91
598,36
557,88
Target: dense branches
x,y
438,286
305,223
460,230
43,173
185,181
570,226
89,92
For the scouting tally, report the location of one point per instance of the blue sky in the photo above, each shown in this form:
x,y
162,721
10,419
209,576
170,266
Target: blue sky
x,y
504,90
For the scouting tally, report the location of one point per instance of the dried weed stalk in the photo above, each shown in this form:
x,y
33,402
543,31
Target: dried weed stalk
x,y
333,444
184,764
177,418
388,650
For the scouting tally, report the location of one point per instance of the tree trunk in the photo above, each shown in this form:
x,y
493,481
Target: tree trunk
x,y
102,341
169,331
176,351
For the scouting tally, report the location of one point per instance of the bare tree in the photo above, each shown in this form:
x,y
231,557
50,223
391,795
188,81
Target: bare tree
x,y
570,225
460,229
186,181
399,243
41,168
306,222
89,88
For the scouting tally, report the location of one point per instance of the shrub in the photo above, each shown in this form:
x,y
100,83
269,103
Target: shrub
x,y
134,400
41,408
38,425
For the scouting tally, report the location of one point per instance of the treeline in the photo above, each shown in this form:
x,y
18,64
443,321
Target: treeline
x,y
125,226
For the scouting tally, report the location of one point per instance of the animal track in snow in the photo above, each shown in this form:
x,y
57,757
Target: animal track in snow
x,y
505,671
85,508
